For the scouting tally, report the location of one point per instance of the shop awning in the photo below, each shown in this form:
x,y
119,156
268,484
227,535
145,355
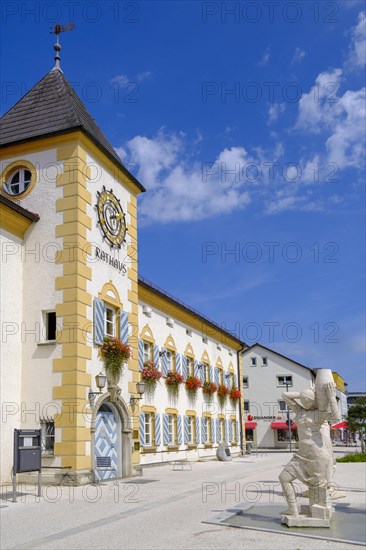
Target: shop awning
x,y
250,425
339,426
282,426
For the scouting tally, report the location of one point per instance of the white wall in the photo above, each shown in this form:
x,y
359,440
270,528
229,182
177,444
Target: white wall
x,y
30,291
103,272
11,294
161,400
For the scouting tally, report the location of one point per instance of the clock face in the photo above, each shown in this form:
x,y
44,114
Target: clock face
x,y
111,218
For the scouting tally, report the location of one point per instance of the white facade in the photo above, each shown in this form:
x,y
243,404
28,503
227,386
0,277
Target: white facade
x,y
265,375
167,333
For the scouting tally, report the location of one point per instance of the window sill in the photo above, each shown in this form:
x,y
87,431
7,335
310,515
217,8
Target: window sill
x,y
192,445
208,445
47,343
149,449
173,447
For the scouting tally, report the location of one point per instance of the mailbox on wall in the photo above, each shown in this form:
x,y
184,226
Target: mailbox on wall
x,y
27,455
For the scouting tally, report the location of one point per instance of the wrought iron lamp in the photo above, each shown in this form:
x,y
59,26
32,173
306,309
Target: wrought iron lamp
x,y
140,387
100,381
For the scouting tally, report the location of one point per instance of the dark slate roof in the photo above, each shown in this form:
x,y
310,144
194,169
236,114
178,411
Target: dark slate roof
x,y
52,107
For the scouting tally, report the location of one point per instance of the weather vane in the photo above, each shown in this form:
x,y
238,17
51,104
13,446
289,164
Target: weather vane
x,y
56,29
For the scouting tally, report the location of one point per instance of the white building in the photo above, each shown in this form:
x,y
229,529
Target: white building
x,y
267,374
69,278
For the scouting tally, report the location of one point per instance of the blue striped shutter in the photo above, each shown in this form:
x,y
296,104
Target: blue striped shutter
x,y
202,373
236,381
227,431
186,440
178,363
237,430
99,308
231,431
211,374
198,430
184,367
164,364
123,327
217,376
141,355
156,356
204,429
165,429
218,430
179,429
157,429
213,431
195,368
142,428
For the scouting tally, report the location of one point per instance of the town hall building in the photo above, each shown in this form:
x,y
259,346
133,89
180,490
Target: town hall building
x,y
69,277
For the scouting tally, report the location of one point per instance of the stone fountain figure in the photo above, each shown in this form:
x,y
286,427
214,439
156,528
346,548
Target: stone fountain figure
x,y
313,463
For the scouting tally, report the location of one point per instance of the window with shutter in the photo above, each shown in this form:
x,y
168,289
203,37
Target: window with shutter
x,y
142,428
123,327
98,321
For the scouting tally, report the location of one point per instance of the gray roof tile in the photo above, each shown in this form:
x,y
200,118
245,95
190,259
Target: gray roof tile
x,y
52,107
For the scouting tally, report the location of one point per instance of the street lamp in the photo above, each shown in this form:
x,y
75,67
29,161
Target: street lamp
x,y
140,387
100,381
289,422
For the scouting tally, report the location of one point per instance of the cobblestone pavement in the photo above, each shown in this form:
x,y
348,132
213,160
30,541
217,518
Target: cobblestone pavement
x,y
165,508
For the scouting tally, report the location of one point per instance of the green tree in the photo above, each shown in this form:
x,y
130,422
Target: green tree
x,y
357,419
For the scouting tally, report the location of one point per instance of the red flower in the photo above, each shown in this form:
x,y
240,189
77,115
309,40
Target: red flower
x,y
209,388
235,394
193,383
222,390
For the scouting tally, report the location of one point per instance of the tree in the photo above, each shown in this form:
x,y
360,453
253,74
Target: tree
x,y
356,419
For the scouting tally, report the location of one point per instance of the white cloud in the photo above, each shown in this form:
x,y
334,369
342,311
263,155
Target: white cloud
x,y
182,190
154,156
290,198
298,56
357,48
320,105
274,111
143,76
342,117
123,79
346,144
265,58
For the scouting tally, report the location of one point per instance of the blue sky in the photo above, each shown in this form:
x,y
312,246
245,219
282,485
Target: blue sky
x,y
247,129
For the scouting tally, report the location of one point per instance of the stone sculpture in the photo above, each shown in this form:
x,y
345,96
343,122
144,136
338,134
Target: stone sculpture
x,y
313,463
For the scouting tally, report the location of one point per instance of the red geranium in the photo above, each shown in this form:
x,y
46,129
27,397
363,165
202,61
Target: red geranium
x,y
222,391
235,394
209,388
193,383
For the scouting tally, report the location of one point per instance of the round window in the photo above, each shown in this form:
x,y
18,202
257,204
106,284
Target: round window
x,y
18,182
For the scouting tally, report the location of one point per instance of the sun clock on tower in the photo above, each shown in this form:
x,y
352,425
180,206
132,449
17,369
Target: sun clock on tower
x,y
111,218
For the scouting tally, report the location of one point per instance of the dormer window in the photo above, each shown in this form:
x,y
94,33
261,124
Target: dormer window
x,y
18,181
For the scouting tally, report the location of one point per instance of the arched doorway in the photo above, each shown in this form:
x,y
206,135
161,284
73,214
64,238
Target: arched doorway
x,y
108,443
